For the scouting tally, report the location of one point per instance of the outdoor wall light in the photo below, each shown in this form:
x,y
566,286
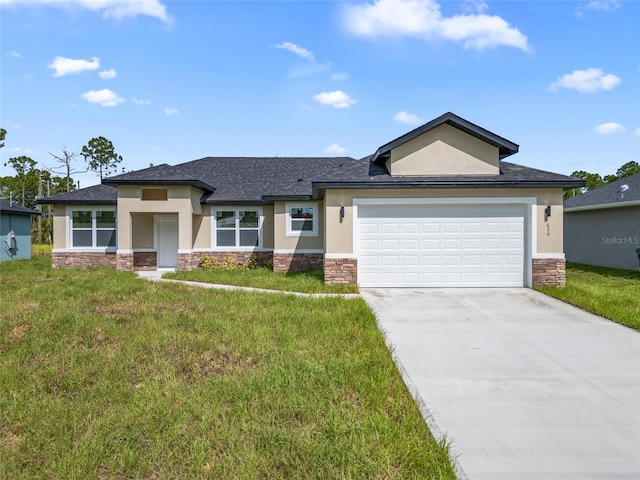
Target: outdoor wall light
x,y
341,212
547,211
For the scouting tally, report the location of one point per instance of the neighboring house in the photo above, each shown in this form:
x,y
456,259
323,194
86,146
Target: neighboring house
x,y
15,231
437,207
602,227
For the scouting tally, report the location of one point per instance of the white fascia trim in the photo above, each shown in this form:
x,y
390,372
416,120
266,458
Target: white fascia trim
x,y
309,250
555,256
124,251
185,250
339,256
232,249
85,250
445,200
603,206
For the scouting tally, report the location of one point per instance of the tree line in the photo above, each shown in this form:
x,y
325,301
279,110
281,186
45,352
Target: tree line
x,y
594,180
30,182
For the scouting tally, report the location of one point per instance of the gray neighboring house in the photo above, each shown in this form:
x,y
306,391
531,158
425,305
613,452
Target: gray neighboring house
x,y
15,231
602,227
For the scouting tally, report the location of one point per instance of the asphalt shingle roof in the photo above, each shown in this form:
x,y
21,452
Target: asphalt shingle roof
x,y
6,207
96,195
609,194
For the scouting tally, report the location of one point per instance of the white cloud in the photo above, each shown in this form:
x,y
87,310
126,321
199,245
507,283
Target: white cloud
x,y
336,149
423,19
171,112
117,9
308,69
475,6
637,132
609,128
65,66
138,101
603,5
337,99
300,51
107,74
105,97
586,81
406,118
340,76
13,54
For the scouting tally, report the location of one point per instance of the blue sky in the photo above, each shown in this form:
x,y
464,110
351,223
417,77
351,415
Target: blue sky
x,y
173,81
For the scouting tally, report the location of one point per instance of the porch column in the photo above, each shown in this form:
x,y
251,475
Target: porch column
x,y
186,260
124,254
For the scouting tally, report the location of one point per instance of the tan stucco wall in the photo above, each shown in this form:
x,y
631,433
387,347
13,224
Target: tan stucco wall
x,y
267,227
340,233
59,227
180,201
202,228
445,150
143,230
284,242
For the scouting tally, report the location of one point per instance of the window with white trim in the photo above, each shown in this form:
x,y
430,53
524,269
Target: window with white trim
x,y
93,228
240,228
302,219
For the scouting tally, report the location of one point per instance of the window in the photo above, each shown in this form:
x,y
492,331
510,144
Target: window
x,y
238,228
302,220
93,228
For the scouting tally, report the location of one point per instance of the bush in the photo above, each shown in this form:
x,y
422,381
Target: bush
x,y
229,263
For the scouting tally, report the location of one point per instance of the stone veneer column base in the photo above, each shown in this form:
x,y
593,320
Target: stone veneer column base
x,y
145,261
548,272
296,262
125,262
341,270
83,259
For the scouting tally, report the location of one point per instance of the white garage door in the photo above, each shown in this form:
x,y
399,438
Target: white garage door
x,y
440,246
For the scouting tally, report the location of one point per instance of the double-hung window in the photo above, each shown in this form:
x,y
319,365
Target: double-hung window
x,y
302,219
238,228
93,228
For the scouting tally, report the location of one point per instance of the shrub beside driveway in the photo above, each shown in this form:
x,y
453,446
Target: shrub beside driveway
x,y
608,292
105,375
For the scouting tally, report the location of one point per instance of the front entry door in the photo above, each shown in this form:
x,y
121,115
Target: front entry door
x,y
167,240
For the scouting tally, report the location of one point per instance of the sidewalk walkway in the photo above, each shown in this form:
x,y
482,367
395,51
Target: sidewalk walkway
x,y
156,276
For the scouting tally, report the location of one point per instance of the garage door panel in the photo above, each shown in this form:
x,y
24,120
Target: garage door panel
x,y
430,227
433,246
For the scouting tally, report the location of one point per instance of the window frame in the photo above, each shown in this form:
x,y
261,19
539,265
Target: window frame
x,y
94,229
237,228
289,219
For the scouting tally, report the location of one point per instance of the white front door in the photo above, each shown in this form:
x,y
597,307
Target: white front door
x,y
167,240
441,245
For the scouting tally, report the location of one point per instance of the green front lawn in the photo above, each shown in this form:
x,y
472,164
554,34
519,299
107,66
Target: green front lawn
x,y
105,375
311,281
611,293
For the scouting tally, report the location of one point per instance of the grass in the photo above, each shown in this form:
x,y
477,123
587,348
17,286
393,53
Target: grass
x,y
108,376
41,250
608,292
311,281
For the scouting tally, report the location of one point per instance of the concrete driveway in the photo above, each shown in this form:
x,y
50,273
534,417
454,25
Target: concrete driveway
x,y
523,385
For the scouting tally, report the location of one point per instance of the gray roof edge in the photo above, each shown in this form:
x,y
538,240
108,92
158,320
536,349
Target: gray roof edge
x,y
77,201
456,122
602,206
186,182
447,184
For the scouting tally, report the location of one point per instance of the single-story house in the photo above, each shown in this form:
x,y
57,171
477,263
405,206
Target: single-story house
x,y
437,207
602,227
15,231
